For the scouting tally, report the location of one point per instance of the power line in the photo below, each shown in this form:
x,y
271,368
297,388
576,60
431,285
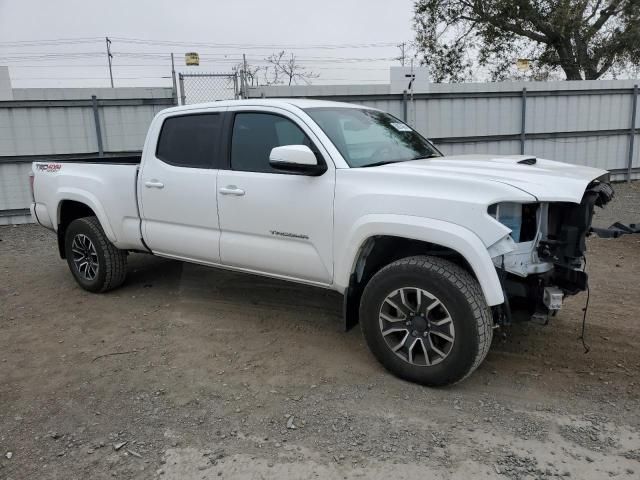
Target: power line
x,y
59,41
296,46
210,54
86,78
154,65
139,41
156,55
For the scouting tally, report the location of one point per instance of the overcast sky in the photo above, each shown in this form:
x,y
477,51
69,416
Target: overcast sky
x,y
224,29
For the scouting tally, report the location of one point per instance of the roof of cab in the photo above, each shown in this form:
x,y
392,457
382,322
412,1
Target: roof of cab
x,y
285,103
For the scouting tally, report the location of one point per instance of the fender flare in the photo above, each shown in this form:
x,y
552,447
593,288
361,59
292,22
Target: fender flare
x,y
438,232
91,201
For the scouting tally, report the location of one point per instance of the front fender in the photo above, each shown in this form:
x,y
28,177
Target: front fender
x,y
438,232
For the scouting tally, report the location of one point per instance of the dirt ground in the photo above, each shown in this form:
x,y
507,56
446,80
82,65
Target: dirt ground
x,y
193,373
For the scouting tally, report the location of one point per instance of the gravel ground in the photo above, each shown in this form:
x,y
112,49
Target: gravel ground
x,y
193,373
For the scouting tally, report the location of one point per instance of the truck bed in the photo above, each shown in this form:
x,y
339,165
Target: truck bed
x,y
107,185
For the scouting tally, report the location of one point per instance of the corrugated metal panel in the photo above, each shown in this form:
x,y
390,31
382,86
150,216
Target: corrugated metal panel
x,y
498,148
46,131
14,186
465,116
577,113
460,110
125,128
601,152
453,111
36,130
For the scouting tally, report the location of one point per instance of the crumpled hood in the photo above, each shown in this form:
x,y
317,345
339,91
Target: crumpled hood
x,y
547,180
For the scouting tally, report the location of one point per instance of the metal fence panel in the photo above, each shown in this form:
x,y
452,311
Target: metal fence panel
x,y
579,113
586,123
125,128
498,148
208,87
15,196
581,122
59,123
45,131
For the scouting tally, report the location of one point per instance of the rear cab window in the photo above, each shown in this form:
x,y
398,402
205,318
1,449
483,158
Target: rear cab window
x,y
191,141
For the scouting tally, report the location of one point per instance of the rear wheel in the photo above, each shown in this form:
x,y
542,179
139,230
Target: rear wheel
x,y
426,320
96,264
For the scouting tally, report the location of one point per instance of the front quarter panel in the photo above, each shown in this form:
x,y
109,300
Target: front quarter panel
x,y
438,209
438,232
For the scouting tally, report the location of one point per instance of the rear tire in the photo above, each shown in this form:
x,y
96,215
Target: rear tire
x,y
426,320
96,264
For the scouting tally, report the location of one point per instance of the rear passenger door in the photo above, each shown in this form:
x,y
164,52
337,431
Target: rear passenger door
x,y
275,222
177,187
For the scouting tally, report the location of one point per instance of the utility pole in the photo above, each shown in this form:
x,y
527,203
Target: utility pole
x,y
109,57
173,79
244,77
402,53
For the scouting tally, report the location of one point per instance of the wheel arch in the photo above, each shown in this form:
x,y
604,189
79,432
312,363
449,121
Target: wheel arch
x,y
70,209
375,245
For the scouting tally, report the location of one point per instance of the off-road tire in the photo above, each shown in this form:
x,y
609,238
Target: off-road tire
x,y
460,294
112,262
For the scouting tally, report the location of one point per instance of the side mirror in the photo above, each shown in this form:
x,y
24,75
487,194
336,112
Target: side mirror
x,y
296,159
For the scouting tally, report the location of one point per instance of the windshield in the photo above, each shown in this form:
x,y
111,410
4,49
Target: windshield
x,y
367,138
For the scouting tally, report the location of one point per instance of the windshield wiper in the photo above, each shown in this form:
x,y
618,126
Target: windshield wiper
x,y
432,155
383,162
386,162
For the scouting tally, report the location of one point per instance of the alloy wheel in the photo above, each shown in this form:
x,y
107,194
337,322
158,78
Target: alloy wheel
x,y
416,326
85,257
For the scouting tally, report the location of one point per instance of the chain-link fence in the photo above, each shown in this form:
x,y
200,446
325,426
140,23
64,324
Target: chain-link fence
x,y
208,87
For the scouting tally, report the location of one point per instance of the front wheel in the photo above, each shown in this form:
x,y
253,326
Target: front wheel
x,y
96,264
426,320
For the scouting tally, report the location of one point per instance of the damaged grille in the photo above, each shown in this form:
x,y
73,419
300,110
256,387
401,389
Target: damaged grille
x,y
568,226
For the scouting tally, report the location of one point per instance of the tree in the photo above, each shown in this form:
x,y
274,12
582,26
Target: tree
x,y
286,69
584,39
251,73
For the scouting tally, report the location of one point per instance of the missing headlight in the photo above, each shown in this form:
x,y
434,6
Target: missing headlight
x,y
520,218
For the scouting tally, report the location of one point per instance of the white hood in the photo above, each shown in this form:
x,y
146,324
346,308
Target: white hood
x,y
545,179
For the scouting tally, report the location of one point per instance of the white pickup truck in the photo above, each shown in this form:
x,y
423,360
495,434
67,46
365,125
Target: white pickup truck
x,y
430,251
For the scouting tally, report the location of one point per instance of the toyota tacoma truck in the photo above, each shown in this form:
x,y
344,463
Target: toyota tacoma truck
x,y
430,251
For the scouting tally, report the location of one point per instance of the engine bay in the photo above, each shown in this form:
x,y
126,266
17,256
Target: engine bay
x,y
545,258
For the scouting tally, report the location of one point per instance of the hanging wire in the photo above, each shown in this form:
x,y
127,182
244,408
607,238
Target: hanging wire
x,y
584,315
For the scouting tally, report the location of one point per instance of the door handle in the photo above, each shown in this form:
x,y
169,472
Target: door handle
x,y
231,190
154,184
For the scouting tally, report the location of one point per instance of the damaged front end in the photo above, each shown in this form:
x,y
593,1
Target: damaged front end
x,y
543,259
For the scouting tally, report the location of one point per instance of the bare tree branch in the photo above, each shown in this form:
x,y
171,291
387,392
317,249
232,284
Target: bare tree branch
x,y
286,69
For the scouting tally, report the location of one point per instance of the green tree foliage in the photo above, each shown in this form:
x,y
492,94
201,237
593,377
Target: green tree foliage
x,y
585,39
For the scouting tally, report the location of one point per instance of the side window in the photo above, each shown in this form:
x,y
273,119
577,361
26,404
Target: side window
x,y
190,140
256,134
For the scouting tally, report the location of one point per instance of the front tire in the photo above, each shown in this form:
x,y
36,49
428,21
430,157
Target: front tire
x,y
96,264
426,320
